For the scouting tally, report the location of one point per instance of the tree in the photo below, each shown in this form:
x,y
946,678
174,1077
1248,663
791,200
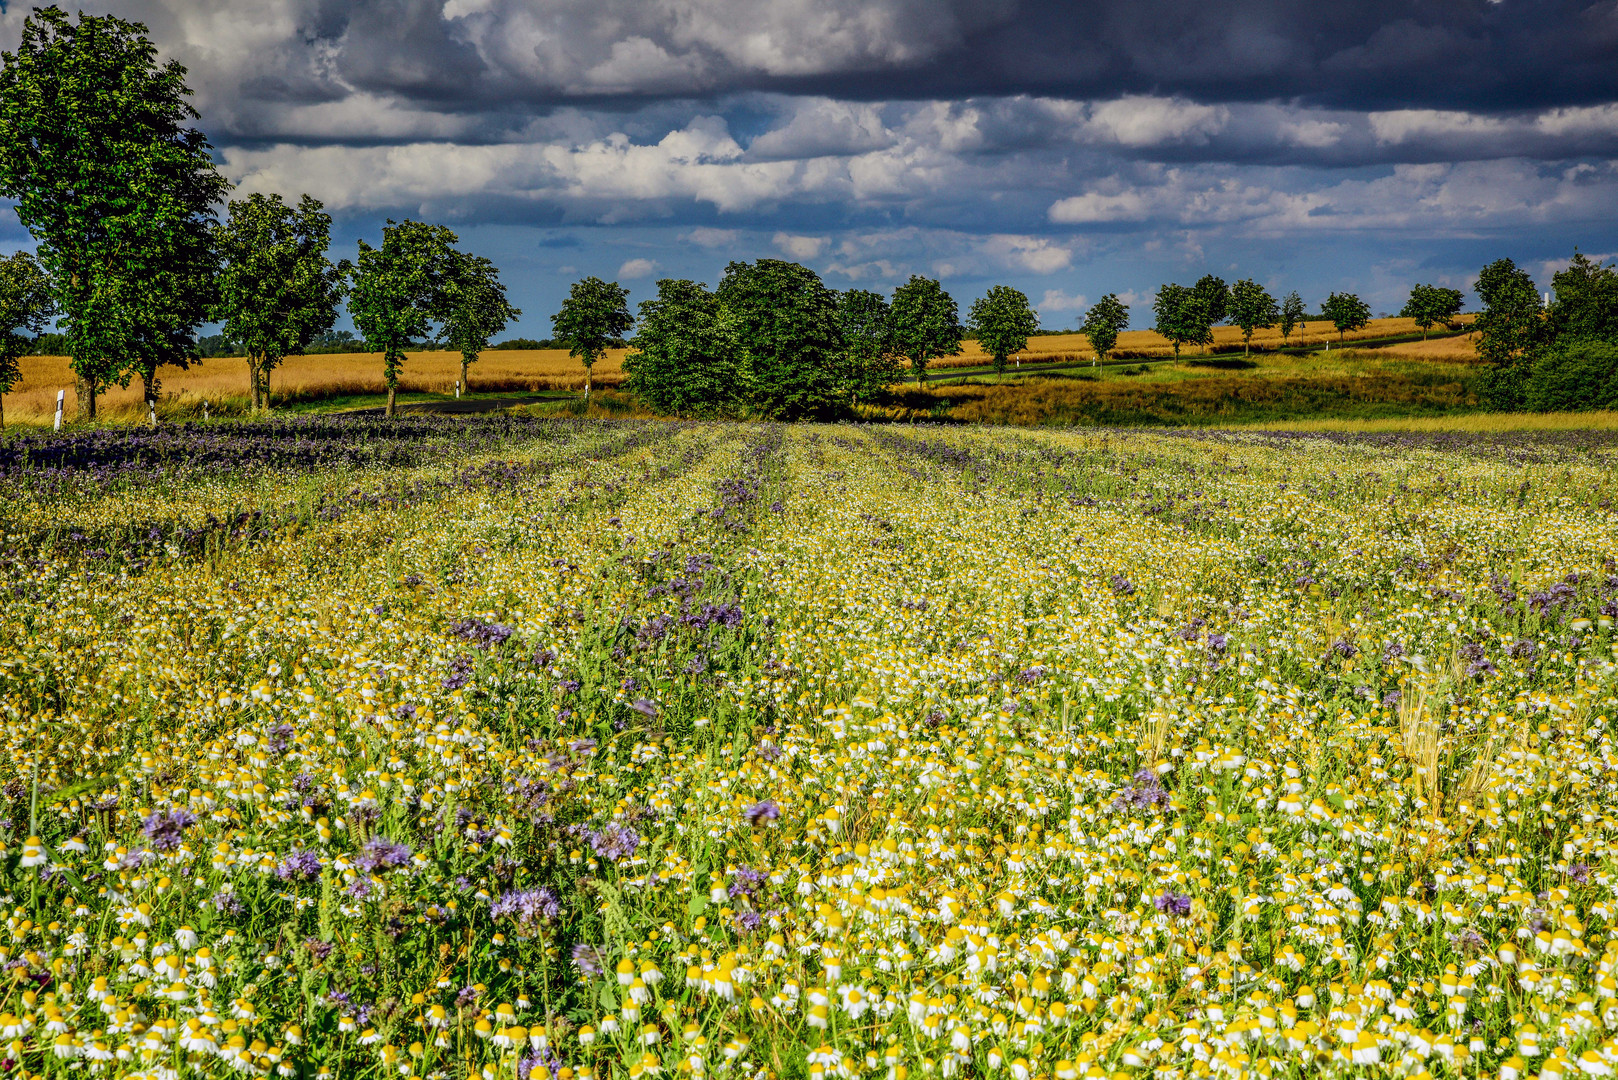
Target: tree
x,y
1292,314
1430,304
870,364
1106,319
1251,308
594,317
1346,312
399,292
1003,321
925,323
685,358
95,151
175,296
1182,317
277,289
785,320
1215,297
26,307
1586,303
1511,330
475,308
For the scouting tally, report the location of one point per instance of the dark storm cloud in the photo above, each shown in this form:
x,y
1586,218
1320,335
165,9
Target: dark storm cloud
x,y
1470,54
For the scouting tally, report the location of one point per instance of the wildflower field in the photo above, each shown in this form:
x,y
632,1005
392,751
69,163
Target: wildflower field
x,y
562,749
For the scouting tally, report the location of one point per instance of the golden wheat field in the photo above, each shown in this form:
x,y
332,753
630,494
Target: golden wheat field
x,y
222,381
315,376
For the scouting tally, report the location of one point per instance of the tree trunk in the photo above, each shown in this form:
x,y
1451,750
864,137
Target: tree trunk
x,y
264,384
588,371
87,398
392,390
252,379
464,387
2,412
148,394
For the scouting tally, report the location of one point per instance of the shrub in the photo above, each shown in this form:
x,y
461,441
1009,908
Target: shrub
x,y
1578,375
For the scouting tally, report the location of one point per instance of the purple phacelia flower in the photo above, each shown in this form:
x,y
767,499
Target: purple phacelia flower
x,y
380,853
527,908
765,810
299,866
166,830
1173,903
589,959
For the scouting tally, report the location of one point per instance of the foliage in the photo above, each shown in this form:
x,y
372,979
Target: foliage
x,y
116,189
685,359
592,319
786,322
1183,316
475,308
1106,319
1586,303
398,291
1292,314
1511,330
1429,304
1346,312
924,321
1215,297
1574,375
26,306
1252,308
871,365
1002,319
277,289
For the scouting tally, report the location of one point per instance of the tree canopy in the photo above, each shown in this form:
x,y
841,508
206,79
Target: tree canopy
x,y
277,289
399,292
26,307
475,307
1106,319
1252,309
870,363
785,320
1292,314
1346,312
1215,297
106,173
925,323
1429,304
1182,316
593,318
685,358
1585,306
1003,320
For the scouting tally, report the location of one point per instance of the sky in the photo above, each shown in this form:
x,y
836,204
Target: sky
x,y
1067,149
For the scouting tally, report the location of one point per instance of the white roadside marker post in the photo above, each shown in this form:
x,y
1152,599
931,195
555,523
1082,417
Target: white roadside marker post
x,y
61,395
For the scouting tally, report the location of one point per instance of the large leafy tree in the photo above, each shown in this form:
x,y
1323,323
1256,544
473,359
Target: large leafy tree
x,y
1346,312
1429,304
786,321
398,292
1252,308
1106,319
870,363
277,289
1511,331
1182,317
925,323
96,152
26,308
594,317
475,308
1292,315
685,358
1586,302
1003,320
1215,297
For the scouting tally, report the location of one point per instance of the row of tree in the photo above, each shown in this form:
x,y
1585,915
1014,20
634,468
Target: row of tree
x,y
1557,356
